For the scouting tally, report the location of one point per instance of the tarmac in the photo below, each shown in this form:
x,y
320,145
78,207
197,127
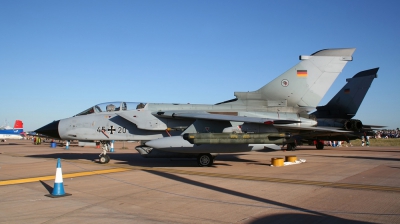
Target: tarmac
x,y
341,184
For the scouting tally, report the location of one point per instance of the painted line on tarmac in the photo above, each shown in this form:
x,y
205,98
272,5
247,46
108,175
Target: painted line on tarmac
x,y
123,168
70,175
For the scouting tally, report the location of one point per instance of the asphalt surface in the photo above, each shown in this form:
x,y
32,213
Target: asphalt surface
x,y
346,184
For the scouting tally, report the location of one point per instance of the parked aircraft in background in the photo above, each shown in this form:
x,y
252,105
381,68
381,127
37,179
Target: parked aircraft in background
x,y
341,109
14,133
270,115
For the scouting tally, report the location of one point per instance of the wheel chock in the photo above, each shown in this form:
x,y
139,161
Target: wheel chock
x,y
290,159
277,161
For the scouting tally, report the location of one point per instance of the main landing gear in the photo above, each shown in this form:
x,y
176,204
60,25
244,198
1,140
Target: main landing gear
x,y
291,147
205,159
319,145
104,158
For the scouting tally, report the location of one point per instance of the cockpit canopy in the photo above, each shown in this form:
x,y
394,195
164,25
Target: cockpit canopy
x,y
112,106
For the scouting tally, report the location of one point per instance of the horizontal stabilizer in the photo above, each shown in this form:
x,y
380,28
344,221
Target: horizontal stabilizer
x,y
370,127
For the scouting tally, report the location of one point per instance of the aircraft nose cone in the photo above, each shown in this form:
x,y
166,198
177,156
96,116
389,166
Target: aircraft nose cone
x,y
50,130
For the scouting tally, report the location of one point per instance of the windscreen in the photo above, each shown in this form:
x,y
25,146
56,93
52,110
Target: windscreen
x,y
112,106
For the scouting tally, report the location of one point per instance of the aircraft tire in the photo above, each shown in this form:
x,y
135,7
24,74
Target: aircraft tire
x,y
205,160
104,159
319,145
108,158
290,147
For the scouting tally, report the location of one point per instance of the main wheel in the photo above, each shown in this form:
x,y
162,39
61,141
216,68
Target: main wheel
x,y
205,160
319,145
291,147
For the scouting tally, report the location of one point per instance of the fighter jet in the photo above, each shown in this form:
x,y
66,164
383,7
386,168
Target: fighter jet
x,y
250,121
340,110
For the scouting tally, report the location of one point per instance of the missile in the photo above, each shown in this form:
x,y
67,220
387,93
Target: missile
x,y
237,138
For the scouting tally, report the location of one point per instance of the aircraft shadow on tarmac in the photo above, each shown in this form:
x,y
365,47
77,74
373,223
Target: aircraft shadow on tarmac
x,y
11,143
303,147
395,150
362,157
311,217
135,159
345,149
342,149
303,218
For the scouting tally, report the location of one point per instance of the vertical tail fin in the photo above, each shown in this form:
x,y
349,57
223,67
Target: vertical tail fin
x,y
18,126
304,85
347,101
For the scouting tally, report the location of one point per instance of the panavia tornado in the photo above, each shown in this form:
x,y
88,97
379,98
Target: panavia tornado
x,y
251,121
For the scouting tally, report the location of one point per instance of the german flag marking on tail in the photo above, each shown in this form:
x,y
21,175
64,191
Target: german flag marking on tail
x,y
302,73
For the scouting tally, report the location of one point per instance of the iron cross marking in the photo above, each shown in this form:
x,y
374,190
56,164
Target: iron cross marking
x,y
111,129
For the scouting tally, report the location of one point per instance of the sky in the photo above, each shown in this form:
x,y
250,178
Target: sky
x,y
58,58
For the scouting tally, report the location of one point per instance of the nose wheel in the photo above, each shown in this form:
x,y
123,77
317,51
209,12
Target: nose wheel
x,y
103,157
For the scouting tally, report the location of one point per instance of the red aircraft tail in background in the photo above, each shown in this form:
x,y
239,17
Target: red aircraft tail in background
x,y
18,124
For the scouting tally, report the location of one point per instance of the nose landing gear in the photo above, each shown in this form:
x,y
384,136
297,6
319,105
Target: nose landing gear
x,y
104,158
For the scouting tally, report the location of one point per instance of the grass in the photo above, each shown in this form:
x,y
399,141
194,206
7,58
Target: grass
x,y
378,142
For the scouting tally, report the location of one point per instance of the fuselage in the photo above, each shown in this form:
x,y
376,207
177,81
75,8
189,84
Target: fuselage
x,y
11,134
145,124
